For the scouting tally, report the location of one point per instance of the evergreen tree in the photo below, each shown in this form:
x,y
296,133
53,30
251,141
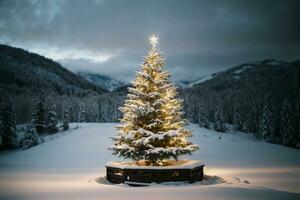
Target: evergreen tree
x,y
39,115
253,123
297,123
218,120
8,124
82,115
72,115
237,122
52,119
31,138
152,126
286,126
66,120
203,121
0,132
267,127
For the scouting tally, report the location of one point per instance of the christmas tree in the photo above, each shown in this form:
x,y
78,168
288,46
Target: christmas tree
x,y
152,126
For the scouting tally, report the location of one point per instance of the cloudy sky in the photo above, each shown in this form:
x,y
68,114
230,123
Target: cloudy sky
x,y
111,36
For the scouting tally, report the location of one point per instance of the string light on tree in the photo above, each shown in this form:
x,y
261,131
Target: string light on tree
x,y
152,128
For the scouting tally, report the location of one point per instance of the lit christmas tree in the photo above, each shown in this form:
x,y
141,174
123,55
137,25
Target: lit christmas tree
x,y
152,126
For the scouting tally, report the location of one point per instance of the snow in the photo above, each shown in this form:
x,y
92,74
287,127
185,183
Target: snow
x,y
186,164
242,69
273,62
187,84
102,80
71,165
201,80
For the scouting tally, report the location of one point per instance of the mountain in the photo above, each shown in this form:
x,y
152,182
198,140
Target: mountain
x,y
101,80
24,75
25,72
241,90
244,91
189,84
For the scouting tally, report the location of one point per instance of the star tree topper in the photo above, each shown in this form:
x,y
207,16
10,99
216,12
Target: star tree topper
x,y
153,41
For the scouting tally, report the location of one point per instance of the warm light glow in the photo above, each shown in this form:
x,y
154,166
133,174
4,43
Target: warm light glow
x,y
153,41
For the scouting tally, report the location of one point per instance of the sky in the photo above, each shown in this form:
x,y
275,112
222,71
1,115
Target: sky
x,y
110,37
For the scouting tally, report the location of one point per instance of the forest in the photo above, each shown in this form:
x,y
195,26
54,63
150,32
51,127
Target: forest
x,y
261,97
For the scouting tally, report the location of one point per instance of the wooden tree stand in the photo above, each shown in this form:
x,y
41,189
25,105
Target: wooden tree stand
x,y
132,173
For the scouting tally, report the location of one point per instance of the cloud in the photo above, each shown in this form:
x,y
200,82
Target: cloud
x,y
61,54
111,37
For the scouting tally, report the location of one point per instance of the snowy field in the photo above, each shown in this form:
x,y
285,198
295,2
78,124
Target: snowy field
x,y
70,165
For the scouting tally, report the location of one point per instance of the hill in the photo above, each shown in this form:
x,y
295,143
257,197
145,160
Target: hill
x,y
105,82
244,91
239,91
23,72
24,75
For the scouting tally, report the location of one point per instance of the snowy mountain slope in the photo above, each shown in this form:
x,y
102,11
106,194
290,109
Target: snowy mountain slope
x,y
71,166
189,84
25,72
242,90
101,80
243,69
202,80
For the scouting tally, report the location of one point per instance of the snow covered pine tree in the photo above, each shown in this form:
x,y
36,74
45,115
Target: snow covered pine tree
x,y
218,120
152,125
66,119
203,121
267,129
8,124
52,119
237,121
31,138
286,126
39,115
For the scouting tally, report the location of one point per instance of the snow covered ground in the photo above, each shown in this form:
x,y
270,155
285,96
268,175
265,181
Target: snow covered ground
x,y
71,166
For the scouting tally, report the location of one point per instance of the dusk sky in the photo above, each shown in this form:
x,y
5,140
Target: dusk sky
x,y
111,37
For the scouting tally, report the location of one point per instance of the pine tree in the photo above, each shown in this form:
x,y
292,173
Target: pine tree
x,y
82,116
82,113
267,128
39,115
52,119
66,120
31,138
286,126
298,124
72,115
0,132
237,122
8,124
253,124
218,120
152,126
203,121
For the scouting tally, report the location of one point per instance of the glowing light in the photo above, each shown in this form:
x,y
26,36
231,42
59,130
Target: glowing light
x,y
153,41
